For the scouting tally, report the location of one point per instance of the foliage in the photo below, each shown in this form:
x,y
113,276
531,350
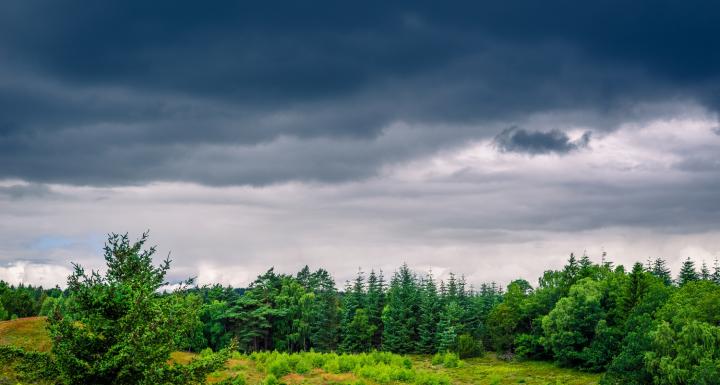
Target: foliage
x,y
123,330
469,347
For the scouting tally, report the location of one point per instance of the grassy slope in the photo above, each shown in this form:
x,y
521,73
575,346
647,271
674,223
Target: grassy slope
x,y
27,333
30,333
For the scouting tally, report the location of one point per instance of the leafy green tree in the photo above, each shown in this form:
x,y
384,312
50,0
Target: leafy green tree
x,y
570,326
687,273
715,277
628,366
686,340
507,319
123,329
3,313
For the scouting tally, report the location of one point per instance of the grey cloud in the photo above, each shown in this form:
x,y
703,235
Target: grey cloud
x,y
122,94
20,191
514,139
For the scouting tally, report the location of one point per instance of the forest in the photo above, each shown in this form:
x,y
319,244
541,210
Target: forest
x,y
642,325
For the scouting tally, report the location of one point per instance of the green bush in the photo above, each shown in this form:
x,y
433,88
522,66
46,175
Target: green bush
x,y
451,360
332,366
437,359
303,366
469,347
279,367
271,380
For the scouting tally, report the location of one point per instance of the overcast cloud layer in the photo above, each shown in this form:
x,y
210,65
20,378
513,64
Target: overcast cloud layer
x,y
491,139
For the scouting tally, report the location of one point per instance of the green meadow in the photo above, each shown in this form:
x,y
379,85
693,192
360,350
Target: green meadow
x,y
376,368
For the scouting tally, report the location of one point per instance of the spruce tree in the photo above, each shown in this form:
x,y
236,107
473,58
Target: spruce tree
x,y
585,267
326,323
660,270
687,273
123,329
570,272
400,316
705,272
716,272
354,299
375,305
430,307
448,327
637,287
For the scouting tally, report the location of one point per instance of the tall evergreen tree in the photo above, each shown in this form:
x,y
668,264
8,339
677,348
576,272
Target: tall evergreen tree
x,y
705,272
716,272
571,272
687,273
375,305
430,307
637,286
400,315
123,330
325,317
660,270
353,300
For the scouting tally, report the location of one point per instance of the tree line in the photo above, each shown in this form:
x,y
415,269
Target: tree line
x,y
638,327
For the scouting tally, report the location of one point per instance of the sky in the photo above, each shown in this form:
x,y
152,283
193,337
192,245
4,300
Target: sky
x,y
487,138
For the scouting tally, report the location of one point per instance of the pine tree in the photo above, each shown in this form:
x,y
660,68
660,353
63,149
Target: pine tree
x,y
687,273
571,272
585,267
448,327
660,270
325,324
375,305
123,330
704,272
637,287
400,315
304,276
430,307
354,299
716,272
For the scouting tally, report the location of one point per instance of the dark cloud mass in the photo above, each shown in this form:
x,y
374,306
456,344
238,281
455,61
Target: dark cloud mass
x,y
514,139
133,92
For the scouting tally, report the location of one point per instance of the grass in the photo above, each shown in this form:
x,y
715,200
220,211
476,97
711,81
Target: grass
x,y
332,369
26,333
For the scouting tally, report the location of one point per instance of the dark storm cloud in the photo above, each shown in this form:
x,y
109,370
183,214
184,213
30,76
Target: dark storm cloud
x,y
133,92
514,139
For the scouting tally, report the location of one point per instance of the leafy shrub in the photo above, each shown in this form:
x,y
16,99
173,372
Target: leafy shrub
x,y
270,379
332,366
469,346
451,360
437,359
279,367
303,366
